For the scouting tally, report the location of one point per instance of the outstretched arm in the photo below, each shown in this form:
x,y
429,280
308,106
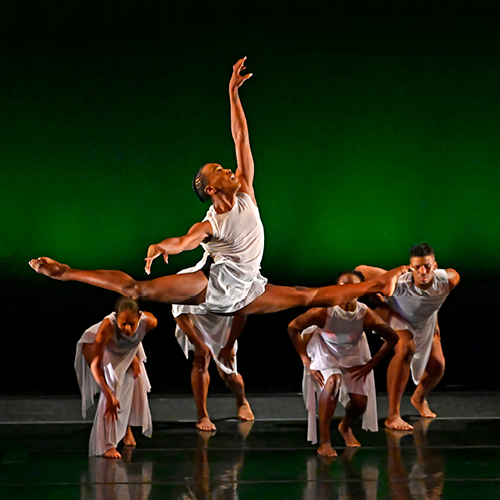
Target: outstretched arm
x,y
373,321
239,129
200,232
103,336
316,316
370,272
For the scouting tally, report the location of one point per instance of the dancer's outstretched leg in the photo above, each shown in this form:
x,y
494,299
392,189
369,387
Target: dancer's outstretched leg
x,y
188,288
279,298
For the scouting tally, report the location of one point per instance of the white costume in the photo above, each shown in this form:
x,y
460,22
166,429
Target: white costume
x,y
340,344
119,375
214,330
419,309
236,246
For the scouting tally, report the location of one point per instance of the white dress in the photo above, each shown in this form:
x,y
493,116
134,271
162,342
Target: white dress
x,y
130,392
214,330
340,344
419,309
236,246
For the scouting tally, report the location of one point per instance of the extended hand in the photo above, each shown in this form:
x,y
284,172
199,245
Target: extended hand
x,y
226,357
360,372
136,366
318,376
201,353
112,407
153,252
237,79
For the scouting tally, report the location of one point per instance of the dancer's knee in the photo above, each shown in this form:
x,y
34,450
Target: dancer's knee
x,y
332,385
405,350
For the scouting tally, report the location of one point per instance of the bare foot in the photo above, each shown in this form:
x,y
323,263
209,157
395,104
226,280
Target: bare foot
x,y
129,440
422,407
398,424
245,412
326,450
390,279
112,453
205,424
49,267
348,436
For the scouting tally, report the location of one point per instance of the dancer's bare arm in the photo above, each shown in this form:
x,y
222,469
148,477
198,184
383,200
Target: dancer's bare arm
x,y
200,232
103,336
239,129
201,351
316,316
151,321
373,321
453,278
370,272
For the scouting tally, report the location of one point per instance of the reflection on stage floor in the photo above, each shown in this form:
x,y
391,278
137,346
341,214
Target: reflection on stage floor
x,y
441,459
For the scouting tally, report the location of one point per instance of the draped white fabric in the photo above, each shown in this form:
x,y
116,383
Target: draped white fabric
x,y
130,392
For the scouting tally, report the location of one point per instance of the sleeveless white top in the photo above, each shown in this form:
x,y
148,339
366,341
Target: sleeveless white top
x,y
340,344
237,247
419,309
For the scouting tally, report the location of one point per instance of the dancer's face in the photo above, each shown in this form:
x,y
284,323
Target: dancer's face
x,y
424,268
220,179
127,321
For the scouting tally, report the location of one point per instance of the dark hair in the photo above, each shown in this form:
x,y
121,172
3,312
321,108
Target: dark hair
x,y
421,250
200,182
126,304
358,274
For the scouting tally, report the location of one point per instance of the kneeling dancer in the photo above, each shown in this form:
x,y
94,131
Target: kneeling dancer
x,y
110,358
338,364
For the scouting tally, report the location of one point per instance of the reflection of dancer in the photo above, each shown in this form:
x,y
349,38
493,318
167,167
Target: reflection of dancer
x,y
426,479
412,312
207,335
338,358
218,480
228,279
117,479
110,357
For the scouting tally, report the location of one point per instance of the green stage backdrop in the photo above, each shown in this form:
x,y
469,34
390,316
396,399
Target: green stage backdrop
x,y
357,158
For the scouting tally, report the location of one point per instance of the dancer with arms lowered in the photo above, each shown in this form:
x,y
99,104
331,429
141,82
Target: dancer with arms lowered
x,y
110,358
412,311
207,335
338,364
227,280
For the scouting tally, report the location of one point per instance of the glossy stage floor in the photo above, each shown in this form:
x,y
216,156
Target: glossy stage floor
x,y
455,456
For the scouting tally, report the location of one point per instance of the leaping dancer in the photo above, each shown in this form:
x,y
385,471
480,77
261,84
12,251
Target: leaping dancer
x,y
227,280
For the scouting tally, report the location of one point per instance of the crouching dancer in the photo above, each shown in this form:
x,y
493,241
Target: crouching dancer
x,y
338,364
110,358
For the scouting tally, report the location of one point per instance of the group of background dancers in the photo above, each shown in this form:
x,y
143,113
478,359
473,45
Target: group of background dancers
x,y
212,300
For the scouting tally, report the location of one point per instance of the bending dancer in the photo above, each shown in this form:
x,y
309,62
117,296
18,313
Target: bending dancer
x,y
412,311
110,357
227,280
337,361
207,335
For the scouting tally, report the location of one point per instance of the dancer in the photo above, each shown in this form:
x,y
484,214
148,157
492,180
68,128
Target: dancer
x,y
206,335
110,357
412,311
227,280
337,360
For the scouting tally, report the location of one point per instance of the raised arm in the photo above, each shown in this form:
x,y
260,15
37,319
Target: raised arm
x,y
103,336
370,272
200,232
239,129
373,321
